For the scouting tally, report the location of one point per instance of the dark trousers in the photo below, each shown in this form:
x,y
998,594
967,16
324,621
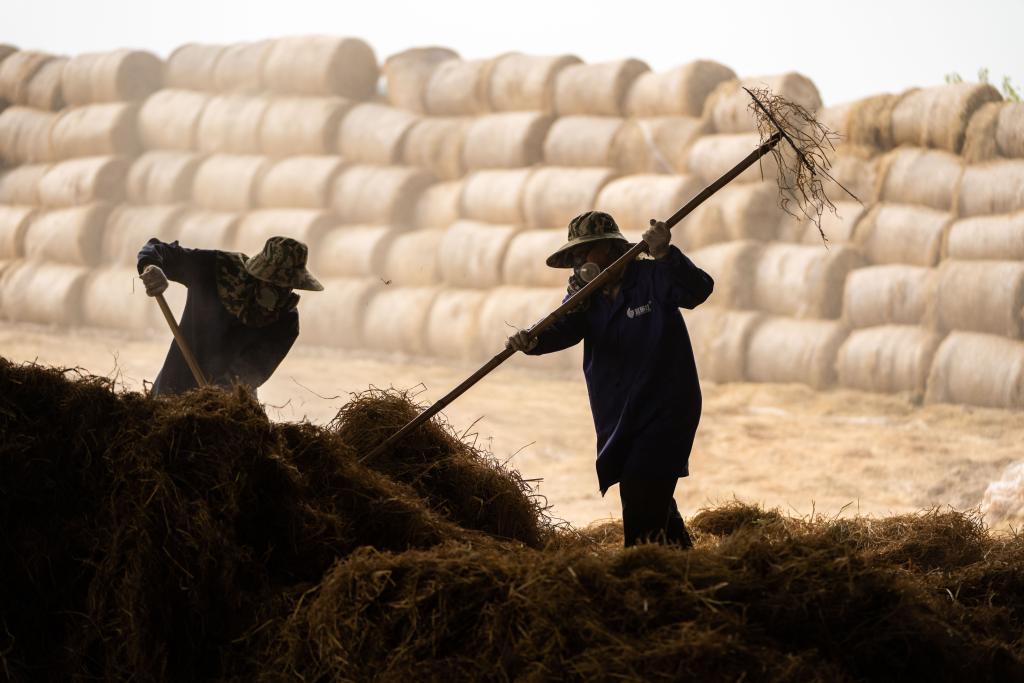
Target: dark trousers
x,y
650,514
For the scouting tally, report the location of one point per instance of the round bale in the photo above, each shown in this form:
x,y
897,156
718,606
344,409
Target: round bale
x,y
334,317
73,235
228,182
728,106
395,319
169,119
720,339
890,295
302,125
96,130
634,200
14,222
115,298
978,369
208,229
920,176
736,212
521,82
937,117
471,254
436,144
16,72
733,267
118,76
803,281
982,296
888,359
508,309
438,206
130,227
711,156
679,91
659,144
80,181
321,65
239,68
495,196
20,184
788,350
407,73
305,225
302,182
524,263
231,124
45,293
352,251
992,188
459,88
452,324
373,133
582,140
383,195
506,140
44,90
162,177
990,238
596,88
411,259
897,233
553,196
192,67
25,136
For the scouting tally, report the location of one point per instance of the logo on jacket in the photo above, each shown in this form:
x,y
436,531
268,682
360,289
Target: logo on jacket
x,y
638,311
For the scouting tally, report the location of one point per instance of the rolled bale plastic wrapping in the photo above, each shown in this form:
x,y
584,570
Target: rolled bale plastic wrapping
x,y
728,106
321,65
97,130
459,88
408,72
438,205
521,82
839,226
334,317
471,254
411,259
385,195
302,125
16,72
193,66
373,133
436,145
788,350
553,196
305,225
982,296
582,141
887,359
658,144
920,176
395,319
130,227
14,221
25,136
937,117
989,238
495,196
898,233
992,188
302,182
1004,498
118,76
720,338
803,281
162,177
232,124
506,140
169,119
736,212
452,324
20,184
634,200
890,295
352,251
115,298
509,309
711,156
208,229
240,66
44,90
733,267
596,88
228,182
679,91
524,264
978,369
45,293
73,235
80,181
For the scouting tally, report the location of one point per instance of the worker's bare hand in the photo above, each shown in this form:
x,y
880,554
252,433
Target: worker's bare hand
x,y
521,341
154,279
657,237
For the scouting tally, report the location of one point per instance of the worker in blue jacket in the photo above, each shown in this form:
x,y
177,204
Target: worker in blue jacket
x,y
639,367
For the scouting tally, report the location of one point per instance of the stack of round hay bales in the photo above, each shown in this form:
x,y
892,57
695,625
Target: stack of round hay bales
x,y
334,317
321,65
553,196
720,339
84,180
898,233
25,136
521,82
20,184
303,182
14,222
728,106
129,227
436,144
199,229
788,350
373,133
506,140
996,187
352,251
495,196
232,124
452,323
472,253
169,119
305,225
982,296
302,125
803,281
659,144
596,88
411,259
678,91
508,309
736,212
408,72
438,205
583,141
45,293
920,176
192,67
890,295
96,130
634,200
938,117
839,226
118,76
733,267
70,235
978,369
228,182
395,319
162,177
114,298
524,264
385,195
239,67
997,238
887,359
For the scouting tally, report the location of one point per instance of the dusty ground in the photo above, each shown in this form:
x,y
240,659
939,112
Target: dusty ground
x,y
781,445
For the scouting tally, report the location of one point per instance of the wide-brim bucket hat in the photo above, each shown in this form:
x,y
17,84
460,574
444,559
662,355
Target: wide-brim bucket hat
x,y
283,263
591,226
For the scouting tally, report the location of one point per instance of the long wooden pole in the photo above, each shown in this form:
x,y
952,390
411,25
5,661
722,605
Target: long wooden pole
x,y
603,277
197,372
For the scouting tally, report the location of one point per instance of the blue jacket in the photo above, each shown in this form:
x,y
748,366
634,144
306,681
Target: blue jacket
x,y
639,367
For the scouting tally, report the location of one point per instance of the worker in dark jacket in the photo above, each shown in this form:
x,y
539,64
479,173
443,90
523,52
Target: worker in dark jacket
x,y
240,319
639,367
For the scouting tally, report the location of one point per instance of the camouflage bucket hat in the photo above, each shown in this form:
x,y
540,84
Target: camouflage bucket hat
x,y
587,227
283,262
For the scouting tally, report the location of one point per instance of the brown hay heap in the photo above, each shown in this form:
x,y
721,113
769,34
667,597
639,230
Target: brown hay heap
x,y
193,539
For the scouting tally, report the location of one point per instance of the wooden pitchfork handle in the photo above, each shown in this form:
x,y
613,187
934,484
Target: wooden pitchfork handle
x,y
197,372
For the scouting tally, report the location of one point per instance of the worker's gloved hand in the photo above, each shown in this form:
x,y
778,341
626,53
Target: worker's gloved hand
x,y
154,279
657,237
521,341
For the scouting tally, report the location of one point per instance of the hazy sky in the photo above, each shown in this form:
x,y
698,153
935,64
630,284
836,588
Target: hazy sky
x,y
849,49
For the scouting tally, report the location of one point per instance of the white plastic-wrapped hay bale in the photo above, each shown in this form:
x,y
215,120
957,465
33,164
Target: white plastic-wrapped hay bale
x,y
115,298
334,317
890,295
728,106
452,324
596,88
977,369
582,141
720,338
495,196
553,196
1004,498
169,119
711,156
659,144
411,259
228,182
302,125
524,264
385,195
937,117
240,66
471,254
118,76
508,309
45,293
73,235
438,205
44,90
788,350
395,319
459,88
733,267
232,124
84,180
839,226
20,184
407,73
14,221
208,229
982,296
352,251
520,82
162,177
987,238
129,227
679,91
321,65
920,176
192,67
506,140
803,281
373,133
302,182
305,225
995,187
436,144
25,135
16,72
634,200
736,212
887,359
97,130
898,233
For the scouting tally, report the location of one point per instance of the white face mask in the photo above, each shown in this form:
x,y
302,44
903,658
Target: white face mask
x,y
588,271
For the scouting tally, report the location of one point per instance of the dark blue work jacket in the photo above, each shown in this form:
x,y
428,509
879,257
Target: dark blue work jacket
x,y
639,368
